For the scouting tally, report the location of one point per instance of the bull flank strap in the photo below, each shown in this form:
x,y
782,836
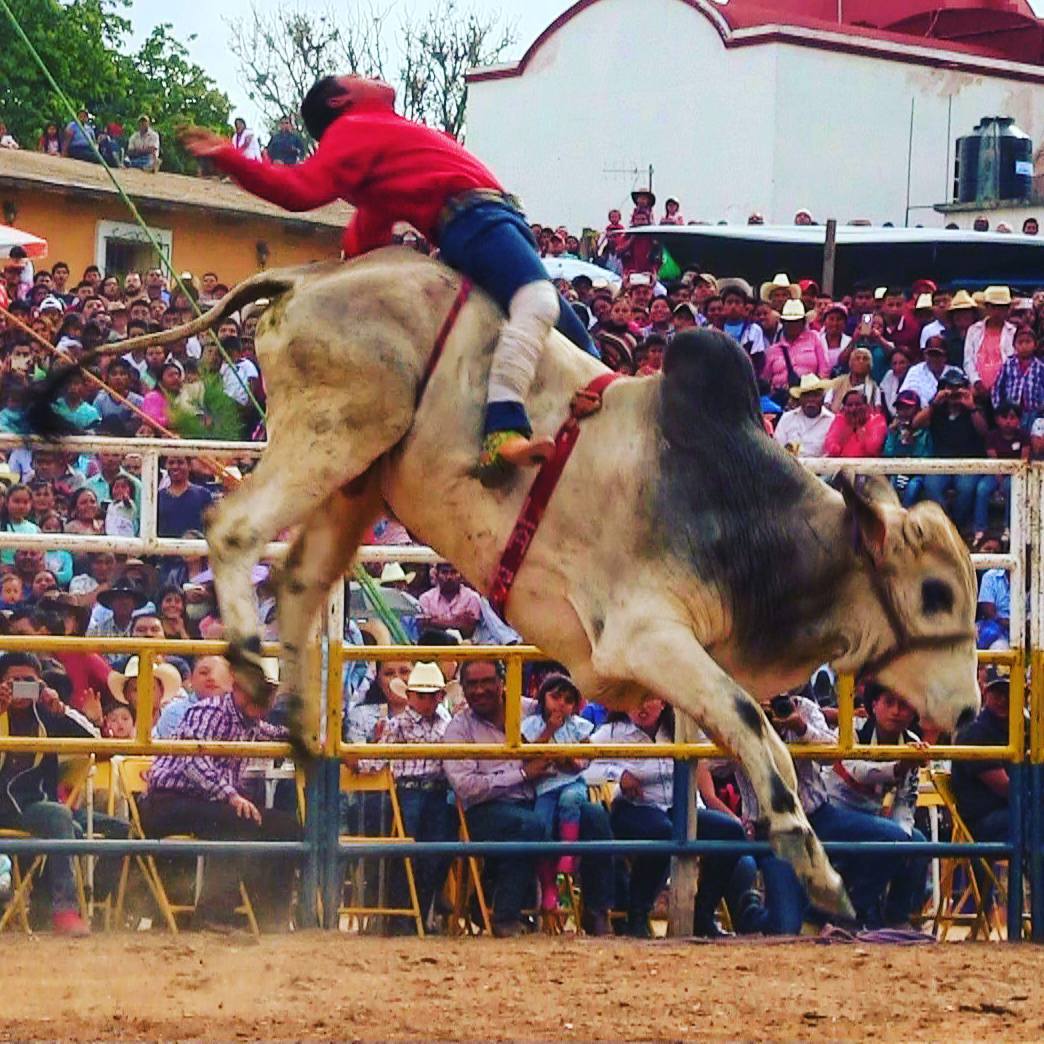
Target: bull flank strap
x,y
443,336
586,401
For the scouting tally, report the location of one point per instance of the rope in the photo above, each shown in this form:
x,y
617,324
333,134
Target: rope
x,y
64,99
216,467
389,618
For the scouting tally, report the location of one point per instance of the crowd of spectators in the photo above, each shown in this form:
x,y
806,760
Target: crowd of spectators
x,y
911,372
141,148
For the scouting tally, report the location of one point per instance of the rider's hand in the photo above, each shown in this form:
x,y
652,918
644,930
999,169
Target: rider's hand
x,y
201,142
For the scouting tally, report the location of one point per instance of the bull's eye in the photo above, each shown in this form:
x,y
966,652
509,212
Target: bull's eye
x,y
936,597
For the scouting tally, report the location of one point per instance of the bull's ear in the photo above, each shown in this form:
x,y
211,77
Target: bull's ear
x,y
869,501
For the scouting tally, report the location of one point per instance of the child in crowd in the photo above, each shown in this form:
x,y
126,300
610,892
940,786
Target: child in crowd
x,y
11,591
121,516
560,795
14,517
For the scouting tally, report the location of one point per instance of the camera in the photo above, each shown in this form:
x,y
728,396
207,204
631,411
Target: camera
x,y
22,691
782,706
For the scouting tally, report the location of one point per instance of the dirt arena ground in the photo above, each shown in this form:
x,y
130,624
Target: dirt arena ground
x,y
314,986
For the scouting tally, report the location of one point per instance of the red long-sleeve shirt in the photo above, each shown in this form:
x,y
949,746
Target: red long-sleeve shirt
x,y
390,168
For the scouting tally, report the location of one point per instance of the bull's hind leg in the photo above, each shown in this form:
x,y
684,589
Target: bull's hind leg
x,y
666,659
317,559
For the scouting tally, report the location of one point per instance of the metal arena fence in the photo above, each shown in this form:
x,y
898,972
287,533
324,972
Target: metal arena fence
x,y
323,853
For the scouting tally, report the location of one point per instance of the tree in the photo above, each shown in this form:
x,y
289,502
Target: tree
x,y
84,44
437,53
282,52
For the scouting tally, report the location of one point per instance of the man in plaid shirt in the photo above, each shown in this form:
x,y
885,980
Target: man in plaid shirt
x,y
421,785
204,796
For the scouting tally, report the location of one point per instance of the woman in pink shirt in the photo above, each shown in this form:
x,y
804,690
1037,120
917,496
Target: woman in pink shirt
x,y
798,352
857,431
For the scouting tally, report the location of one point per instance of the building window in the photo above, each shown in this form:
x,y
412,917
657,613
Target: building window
x,y
120,247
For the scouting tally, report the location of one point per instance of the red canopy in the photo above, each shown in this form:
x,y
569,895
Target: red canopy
x,y
34,246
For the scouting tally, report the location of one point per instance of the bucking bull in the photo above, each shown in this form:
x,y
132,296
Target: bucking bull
x,y
683,555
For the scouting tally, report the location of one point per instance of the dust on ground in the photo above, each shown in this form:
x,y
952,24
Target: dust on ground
x,y
323,985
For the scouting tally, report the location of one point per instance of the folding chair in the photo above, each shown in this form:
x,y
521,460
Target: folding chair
x,y
466,882
22,882
949,910
381,782
132,775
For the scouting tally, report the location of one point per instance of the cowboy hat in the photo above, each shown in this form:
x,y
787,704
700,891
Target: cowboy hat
x,y
166,674
923,302
122,587
637,194
780,282
735,283
808,384
426,677
793,311
392,573
997,295
962,300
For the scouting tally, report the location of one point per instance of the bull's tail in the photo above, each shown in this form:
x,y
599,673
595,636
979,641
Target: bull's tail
x,y
40,414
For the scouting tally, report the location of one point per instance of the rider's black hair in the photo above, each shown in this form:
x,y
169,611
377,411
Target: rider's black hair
x,y
315,109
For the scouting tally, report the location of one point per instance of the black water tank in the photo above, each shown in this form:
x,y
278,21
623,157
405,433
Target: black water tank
x,y
995,161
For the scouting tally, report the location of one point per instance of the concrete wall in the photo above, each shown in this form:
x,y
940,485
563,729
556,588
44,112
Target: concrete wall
x,y
201,241
622,85
770,127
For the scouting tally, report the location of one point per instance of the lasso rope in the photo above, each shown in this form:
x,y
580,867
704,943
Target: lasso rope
x,y
389,618
70,108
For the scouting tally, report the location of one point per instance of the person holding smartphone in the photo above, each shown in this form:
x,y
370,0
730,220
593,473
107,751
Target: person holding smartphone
x,y
29,782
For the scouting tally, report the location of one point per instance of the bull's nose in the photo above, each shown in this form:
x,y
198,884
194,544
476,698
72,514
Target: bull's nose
x,y
966,717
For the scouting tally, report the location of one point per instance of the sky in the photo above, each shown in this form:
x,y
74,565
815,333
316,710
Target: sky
x,y
209,49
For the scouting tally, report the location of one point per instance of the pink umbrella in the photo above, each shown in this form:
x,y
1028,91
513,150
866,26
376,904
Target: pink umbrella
x,y
34,246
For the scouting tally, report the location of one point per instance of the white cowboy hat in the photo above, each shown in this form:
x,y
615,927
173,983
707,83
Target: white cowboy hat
x,y
780,282
997,295
809,383
923,301
793,311
426,677
392,573
165,673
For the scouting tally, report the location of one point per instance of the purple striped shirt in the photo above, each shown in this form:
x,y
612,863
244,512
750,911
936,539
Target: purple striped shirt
x,y
202,775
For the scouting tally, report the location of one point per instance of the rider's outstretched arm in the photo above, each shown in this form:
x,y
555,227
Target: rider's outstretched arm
x,y
330,174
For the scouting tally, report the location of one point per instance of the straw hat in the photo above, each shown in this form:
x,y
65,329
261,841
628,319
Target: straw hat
x,y
997,295
793,311
924,301
165,673
809,383
426,677
780,282
962,300
392,573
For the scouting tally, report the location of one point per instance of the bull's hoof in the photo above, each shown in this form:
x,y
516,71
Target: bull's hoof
x,y
304,741
823,884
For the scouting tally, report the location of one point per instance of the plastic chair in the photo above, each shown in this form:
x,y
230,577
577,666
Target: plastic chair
x,y
132,775
381,782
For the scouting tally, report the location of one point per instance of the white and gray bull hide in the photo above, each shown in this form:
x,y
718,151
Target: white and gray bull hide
x,y
684,555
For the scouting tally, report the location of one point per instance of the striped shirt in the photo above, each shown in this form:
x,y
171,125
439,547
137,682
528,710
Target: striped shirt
x,y
411,727
1024,387
216,779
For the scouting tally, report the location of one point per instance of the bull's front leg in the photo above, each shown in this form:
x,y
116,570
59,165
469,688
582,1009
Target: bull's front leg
x,y
665,659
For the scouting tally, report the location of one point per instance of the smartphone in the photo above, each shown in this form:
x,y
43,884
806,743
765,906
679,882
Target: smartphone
x,y
868,319
22,691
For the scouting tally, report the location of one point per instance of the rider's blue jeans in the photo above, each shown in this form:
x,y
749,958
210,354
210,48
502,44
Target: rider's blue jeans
x,y
494,247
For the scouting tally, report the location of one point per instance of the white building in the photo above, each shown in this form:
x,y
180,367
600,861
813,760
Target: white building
x,y
738,114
